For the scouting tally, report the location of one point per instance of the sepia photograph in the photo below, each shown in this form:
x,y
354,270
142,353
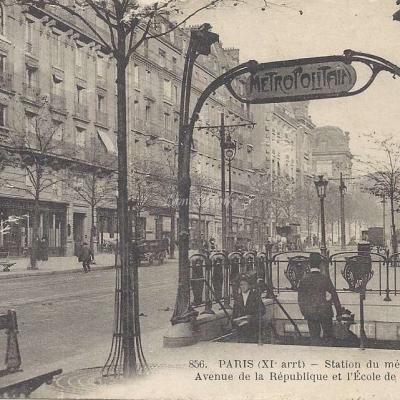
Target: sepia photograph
x,y
200,199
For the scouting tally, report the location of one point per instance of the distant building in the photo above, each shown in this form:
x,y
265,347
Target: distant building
x,y
331,152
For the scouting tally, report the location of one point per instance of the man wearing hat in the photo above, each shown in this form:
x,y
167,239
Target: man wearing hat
x,y
341,330
315,296
248,308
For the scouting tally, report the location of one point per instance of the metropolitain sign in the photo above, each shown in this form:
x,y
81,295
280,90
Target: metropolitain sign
x,y
300,80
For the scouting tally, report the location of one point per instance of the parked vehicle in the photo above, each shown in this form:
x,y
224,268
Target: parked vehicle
x,y
152,251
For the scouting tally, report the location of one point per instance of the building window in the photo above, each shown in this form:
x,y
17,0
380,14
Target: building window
x,y
101,102
148,78
58,131
136,75
29,35
30,124
167,89
100,66
162,58
57,85
56,51
1,19
146,48
80,94
78,56
31,76
2,63
147,114
174,63
167,122
80,138
135,110
175,93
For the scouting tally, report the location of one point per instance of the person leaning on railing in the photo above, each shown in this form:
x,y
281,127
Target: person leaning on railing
x,y
314,304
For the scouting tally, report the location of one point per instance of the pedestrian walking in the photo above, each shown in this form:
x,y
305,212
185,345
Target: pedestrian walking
x,y
314,304
86,256
44,249
248,308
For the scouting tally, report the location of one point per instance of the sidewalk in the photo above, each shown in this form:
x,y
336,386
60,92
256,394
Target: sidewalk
x,y
56,265
295,373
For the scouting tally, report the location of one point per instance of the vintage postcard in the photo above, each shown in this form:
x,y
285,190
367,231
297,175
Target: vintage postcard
x,y
199,199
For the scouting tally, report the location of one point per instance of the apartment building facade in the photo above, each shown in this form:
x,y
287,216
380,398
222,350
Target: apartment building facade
x,y
47,55
285,133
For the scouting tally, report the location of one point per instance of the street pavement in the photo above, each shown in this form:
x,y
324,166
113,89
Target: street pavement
x,y
55,265
62,318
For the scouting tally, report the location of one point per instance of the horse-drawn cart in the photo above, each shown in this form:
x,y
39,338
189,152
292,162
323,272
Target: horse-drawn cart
x,y
153,251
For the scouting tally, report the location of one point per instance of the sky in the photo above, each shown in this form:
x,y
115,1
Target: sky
x,y
326,27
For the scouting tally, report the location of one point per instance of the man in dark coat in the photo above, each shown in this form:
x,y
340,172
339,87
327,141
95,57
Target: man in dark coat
x,y
248,308
316,307
86,256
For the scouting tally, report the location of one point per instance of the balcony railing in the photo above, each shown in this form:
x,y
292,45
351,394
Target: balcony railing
x,y
58,102
81,110
102,117
6,81
31,92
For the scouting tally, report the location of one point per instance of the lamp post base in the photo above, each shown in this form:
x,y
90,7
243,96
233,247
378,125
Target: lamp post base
x,y
180,335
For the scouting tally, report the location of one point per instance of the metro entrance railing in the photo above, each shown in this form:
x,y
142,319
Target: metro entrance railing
x,y
214,277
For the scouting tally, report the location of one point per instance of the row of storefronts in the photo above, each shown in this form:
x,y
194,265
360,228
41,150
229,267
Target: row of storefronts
x,y
65,226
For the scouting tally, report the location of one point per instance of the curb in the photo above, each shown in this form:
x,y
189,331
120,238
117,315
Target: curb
x,y
43,273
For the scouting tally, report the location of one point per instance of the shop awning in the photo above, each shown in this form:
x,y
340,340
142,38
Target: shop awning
x,y
106,140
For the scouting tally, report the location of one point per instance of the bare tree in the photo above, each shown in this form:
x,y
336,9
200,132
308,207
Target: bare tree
x,y
144,184
40,152
383,178
200,196
96,184
169,191
307,206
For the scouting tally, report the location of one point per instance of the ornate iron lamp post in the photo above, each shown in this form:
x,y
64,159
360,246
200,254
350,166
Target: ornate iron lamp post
x,y
342,190
321,185
230,152
201,40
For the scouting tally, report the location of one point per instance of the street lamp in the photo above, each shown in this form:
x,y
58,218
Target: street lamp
x,y
342,190
230,152
321,185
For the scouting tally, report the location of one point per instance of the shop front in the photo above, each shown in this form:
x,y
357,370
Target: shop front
x,y
107,228
16,226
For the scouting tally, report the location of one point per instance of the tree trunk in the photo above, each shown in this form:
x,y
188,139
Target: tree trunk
x,y
172,235
92,209
92,225
182,311
127,292
35,224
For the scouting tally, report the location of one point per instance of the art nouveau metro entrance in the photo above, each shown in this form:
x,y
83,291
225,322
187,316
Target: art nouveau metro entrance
x,y
275,82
